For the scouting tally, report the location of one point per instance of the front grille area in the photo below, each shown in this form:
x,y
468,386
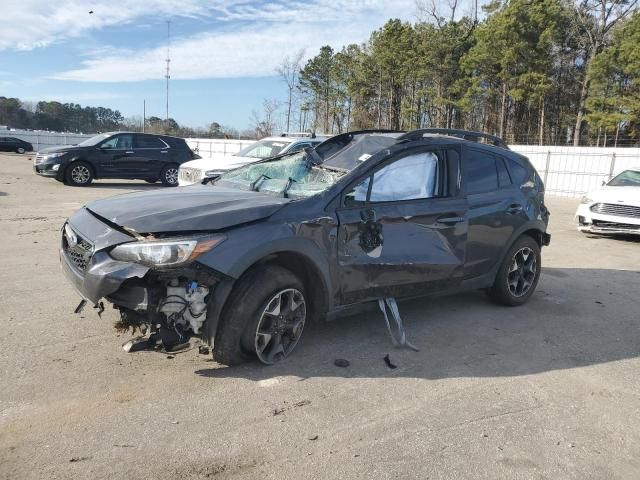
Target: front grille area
x,y
39,159
192,175
79,254
615,225
617,209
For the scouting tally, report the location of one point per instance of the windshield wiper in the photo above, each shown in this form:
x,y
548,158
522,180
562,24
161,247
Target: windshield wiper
x,y
254,184
290,182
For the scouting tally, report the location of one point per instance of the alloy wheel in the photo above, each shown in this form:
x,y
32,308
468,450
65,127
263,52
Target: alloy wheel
x,y
280,326
171,176
21,150
522,272
80,174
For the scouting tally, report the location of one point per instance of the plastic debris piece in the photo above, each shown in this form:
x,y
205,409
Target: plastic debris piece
x,y
341,362
387,360
315,437
137,344
401,339
80,306
203,350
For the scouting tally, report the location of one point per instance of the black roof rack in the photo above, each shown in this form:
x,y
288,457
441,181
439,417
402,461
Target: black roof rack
x,y
452,132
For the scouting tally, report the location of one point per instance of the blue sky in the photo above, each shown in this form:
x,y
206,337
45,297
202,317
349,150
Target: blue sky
x,y
224,53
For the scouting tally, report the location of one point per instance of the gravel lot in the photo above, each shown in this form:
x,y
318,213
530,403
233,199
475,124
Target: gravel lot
x,y
548,390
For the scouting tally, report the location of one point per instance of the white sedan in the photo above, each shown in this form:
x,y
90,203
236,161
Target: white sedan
x,y
196,170
614,208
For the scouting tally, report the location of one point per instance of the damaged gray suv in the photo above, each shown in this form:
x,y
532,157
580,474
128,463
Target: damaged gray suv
x,y
246,261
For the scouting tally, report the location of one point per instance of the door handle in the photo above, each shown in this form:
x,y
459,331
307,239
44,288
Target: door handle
x,y
450,220
514,209
164,151
129,152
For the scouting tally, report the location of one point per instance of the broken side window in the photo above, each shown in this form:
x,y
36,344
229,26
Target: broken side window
x,y
412,177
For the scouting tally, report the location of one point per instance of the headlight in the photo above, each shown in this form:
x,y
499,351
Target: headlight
x,y
586,199
213,173
166,252
51,156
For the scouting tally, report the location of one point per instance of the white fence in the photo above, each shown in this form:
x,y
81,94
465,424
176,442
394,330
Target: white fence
x,y
212,147
574,171
40,139
566,171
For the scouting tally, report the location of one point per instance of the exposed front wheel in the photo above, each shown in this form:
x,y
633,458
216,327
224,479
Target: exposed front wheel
x,y
263,318
20,150
78,174
519,273
169,176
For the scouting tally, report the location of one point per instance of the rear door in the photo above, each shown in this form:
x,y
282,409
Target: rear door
x,y
4,145
150,153
496,209
402,228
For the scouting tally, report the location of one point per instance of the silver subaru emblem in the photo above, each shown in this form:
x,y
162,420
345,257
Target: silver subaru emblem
x,y
72,238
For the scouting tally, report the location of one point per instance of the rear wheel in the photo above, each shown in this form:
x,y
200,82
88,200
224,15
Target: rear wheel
x,y
169,176
264,317
78,174
519,273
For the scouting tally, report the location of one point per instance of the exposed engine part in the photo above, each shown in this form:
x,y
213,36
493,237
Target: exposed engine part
x,y
185,305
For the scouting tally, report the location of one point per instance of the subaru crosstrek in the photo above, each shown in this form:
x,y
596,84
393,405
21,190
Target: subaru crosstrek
x,y
246,261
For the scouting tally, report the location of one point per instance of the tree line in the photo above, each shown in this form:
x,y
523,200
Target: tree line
x,y
71,117
535,71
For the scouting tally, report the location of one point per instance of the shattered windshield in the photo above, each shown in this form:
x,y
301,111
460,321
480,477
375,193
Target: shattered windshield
x,y
262,149
628,178
291,176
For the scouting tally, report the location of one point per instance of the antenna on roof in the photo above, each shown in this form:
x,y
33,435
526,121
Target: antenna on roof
x,y
167,75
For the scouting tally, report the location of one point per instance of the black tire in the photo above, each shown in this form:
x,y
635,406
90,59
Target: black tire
x,y
515,287
151,180
20,150
78,174
236,338
169,175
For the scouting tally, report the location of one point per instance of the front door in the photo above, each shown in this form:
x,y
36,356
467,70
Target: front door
x,y
403,228
115,156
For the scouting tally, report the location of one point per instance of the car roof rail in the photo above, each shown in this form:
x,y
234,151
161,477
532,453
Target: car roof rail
x,y
453,132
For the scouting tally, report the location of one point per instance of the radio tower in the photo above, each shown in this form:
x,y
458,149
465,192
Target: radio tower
x,y
167,75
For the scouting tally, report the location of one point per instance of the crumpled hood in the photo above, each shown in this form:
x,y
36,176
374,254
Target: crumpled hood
x,y
194,208
219,162
622,195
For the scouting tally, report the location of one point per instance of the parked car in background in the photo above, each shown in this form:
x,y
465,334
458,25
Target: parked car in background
x,y
247,260
197,170
614,208
124,155
12,144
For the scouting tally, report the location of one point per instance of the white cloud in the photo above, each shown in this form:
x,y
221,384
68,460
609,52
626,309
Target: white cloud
x,y
253,47
79,97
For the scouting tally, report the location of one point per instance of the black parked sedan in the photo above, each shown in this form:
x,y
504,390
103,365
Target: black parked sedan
x,y
246,261
116,155
12,144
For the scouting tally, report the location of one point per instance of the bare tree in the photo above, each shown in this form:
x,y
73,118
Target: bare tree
x,y
592,21
428,10
264,124
289,71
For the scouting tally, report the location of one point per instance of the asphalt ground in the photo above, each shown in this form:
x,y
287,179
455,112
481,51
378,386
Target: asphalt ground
x,y
547,390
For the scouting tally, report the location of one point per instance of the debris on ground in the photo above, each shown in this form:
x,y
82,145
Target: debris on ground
x,y
78,459
281,410
398,339
341,362
203,350
315,437
387,360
